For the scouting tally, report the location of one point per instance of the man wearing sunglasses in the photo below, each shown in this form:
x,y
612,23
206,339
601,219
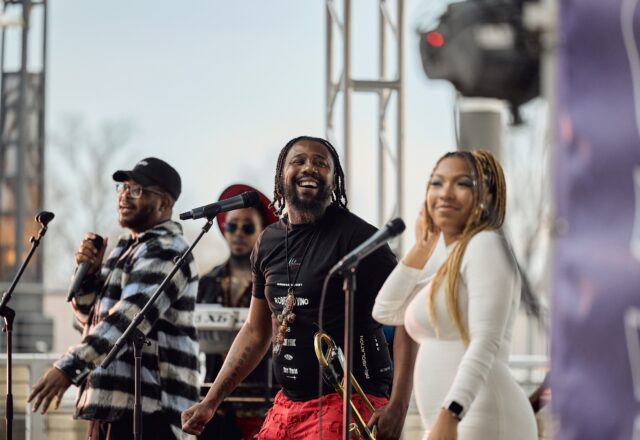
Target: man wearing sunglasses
x,y
229,285
109,298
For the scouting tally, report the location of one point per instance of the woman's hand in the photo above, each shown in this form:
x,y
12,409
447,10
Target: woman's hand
x,y
424,237
426,241
445,428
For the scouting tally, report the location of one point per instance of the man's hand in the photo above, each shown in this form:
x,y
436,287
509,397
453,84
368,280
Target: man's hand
x,y
51,385
389,421
196,417
88,253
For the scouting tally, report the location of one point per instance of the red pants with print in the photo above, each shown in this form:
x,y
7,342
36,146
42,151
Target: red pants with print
x,y
290,420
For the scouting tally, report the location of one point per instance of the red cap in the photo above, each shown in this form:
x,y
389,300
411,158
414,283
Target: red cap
x,y
267,214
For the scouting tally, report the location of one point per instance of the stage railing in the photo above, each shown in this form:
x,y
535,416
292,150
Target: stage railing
x,y
56,424
529,370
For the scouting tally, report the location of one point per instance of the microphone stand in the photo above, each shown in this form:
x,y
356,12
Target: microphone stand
x,y
349,287
136,338
348,268
9,315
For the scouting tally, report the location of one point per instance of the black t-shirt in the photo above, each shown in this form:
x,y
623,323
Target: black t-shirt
x,y
330,239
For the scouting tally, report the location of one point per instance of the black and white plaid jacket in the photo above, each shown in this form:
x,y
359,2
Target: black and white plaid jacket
x,y
106,305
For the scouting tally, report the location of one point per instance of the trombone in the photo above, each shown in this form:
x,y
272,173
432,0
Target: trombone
x,y
359,429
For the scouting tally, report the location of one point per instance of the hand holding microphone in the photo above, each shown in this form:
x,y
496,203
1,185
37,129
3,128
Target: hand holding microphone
x,y
88,258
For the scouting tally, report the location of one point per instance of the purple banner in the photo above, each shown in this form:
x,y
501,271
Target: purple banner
x,y
595,348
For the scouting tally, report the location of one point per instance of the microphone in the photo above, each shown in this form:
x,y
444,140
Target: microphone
x,y
244,200
391,229
44,217
82,270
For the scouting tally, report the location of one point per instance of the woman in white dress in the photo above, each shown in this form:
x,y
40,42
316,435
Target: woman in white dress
x,y
463,315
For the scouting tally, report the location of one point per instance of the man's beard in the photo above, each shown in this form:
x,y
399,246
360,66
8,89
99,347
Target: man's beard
x,y
313,207
139,221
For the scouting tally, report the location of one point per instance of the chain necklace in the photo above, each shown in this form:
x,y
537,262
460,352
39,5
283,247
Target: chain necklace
x,y
287,316
234,288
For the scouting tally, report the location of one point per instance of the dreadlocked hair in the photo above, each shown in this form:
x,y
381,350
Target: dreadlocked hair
x,y
338,195
487,213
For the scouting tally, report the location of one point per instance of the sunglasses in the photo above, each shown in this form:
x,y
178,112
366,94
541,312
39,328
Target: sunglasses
x,y
247,228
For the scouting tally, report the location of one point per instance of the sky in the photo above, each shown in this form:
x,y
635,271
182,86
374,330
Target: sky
x,y
217,88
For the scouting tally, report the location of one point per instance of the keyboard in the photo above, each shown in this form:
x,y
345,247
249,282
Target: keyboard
x,y
217,326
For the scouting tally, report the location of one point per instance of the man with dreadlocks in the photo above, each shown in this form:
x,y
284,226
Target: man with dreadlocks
x,y
289,263
462,316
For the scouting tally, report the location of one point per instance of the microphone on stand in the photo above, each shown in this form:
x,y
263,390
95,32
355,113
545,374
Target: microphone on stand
x,y
44,217
391,229
244,200
82,269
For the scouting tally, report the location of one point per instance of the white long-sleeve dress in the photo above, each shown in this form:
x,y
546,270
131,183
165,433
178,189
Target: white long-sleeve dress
x,y
477,376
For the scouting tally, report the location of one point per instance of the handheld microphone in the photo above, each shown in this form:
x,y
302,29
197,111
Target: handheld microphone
x,y
391,229
244,200
82,270
44,217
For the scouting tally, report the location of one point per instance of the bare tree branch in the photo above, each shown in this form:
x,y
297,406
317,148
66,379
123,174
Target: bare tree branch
x,y
80,161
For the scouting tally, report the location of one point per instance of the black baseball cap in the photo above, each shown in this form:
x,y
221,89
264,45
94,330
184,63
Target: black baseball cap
x,y
153,172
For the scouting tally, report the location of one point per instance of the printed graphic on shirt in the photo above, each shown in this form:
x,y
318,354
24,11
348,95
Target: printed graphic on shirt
x,y
334,236
363,353
280,300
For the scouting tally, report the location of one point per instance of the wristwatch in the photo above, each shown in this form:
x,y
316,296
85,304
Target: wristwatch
x,y
456,409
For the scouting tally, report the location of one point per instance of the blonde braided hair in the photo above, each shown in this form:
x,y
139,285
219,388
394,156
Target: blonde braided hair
x,y
487,213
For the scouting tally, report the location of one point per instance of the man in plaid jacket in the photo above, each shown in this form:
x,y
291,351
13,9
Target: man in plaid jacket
x,y
108,300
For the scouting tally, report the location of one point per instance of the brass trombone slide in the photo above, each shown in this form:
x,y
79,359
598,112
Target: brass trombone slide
x,y
359,429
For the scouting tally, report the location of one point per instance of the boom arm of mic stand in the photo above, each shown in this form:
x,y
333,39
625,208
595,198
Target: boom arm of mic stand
x,y
35,241
137,319
133,335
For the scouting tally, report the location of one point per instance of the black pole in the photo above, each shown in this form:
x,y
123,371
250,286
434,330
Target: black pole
x,y
22,144
8,315
139,340
134,336
349,287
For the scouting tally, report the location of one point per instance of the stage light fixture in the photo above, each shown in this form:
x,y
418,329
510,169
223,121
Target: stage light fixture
x,y
484,49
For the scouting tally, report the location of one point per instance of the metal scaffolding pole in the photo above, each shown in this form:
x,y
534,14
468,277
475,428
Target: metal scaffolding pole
x,y
22,126
389,154
21,180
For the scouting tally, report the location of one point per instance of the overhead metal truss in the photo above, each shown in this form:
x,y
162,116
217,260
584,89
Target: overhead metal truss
x,y
339,82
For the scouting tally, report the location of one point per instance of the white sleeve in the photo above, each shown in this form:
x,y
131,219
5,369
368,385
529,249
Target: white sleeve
x,y
392,300
491,279
402,285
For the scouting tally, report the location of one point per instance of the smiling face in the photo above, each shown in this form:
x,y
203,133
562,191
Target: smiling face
x,y
308,179
450,196
144,212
